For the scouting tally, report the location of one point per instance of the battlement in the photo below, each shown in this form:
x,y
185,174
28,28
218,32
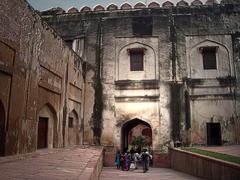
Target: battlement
x,y
140,5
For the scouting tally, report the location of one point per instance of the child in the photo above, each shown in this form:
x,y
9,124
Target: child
x,y
122,161
117,159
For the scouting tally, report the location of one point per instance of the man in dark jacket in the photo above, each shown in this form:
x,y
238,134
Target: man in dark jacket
x,y
145,160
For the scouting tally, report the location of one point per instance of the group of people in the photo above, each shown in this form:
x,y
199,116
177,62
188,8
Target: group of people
x,y
129,160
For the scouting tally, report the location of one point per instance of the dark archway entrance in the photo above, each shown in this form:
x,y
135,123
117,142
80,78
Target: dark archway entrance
x,y
42,133
2,130
73,129
133,127
47,136
214,134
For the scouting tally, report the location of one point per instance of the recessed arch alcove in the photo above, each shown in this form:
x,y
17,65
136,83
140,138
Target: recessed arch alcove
x,y
73,128
47,127
126,131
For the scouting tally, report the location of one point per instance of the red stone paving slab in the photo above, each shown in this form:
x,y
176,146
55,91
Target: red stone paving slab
x,y
152,174
56,164
231,150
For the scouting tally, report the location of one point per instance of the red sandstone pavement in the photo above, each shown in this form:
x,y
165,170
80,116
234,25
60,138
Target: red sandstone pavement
x,y
231,150
152,174
56,164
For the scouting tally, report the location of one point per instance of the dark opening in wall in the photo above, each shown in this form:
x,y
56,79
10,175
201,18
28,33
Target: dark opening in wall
x,y
136,59
142,26
69,43
214,134
70,122
42,140
209,57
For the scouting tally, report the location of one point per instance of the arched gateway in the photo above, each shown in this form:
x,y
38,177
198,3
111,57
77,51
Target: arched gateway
x,y
133,128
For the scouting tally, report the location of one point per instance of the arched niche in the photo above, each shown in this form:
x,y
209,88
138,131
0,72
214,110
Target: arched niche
x,y
126,131
124,71
196,64
2,129
47,136
73,128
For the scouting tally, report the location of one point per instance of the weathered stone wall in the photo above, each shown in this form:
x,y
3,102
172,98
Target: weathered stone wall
x,y
40,77
166,95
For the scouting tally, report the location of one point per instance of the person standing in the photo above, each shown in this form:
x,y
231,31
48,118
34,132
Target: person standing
x,y
145,156
122,161
117,159
127,161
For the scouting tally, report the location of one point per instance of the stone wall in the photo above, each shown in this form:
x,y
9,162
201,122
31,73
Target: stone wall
x,y
202,166
171,94
40,77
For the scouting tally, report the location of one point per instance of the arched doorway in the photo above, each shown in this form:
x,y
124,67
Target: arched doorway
x,y
132,129
2,129
73,128
47,127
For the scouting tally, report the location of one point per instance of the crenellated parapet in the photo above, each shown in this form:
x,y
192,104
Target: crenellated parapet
x,y
140,5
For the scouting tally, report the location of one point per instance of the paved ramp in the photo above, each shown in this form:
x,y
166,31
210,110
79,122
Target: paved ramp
x,y
152,174
56,164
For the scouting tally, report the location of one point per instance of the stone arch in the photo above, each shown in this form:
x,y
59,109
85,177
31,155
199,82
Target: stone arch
x,y
139,5
196,3
98,8
47,136
72,10
182,3
112,7
167,4
126,129
2,129
223,58
73,128
85,9
125,6
154,5
123,63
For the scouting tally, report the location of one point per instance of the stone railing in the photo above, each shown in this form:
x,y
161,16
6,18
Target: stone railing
x,y
94,167
203,166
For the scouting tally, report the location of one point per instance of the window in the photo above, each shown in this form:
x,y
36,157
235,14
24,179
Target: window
x,y
136,59
70,122
142,26
209,57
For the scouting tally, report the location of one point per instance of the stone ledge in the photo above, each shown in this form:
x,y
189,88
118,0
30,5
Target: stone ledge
x,y
203,166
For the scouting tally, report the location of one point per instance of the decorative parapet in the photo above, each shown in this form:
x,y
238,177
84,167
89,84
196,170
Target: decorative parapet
x,y
99,8
139,5
167,4
126,6
112,7
196,3
211,2
182,3
85,9
154,5
72,10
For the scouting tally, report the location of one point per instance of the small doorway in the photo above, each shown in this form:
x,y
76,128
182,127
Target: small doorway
x,y
42,132
214,134
73,129
2,129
